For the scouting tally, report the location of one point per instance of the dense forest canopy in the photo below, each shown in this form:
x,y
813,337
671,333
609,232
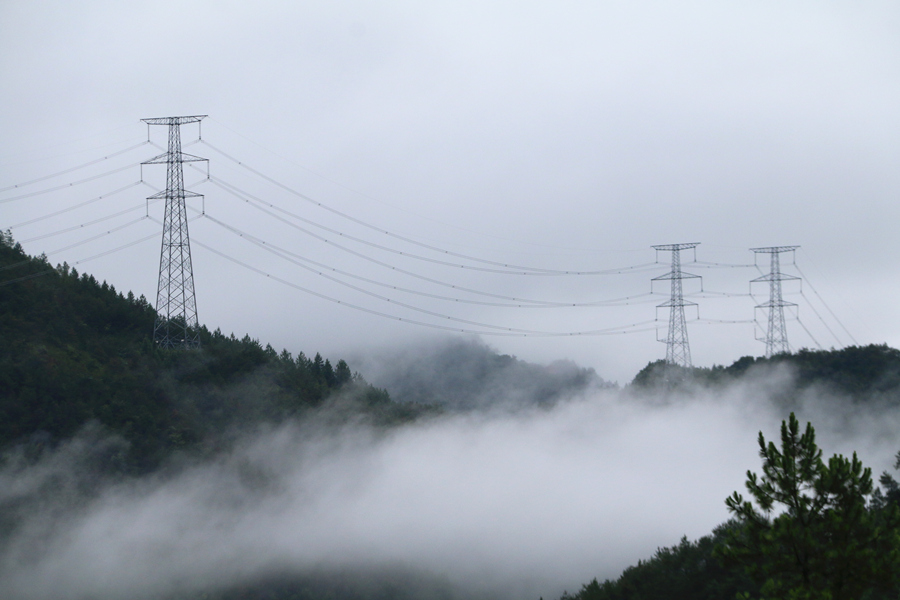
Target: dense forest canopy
x,y
76,351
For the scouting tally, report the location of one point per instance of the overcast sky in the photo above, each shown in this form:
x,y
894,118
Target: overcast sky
x,y
563,135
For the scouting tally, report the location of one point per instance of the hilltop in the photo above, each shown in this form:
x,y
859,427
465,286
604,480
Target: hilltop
x,y
77,351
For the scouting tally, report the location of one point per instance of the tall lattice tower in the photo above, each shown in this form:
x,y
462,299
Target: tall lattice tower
x,y
176,304
678,351
776,332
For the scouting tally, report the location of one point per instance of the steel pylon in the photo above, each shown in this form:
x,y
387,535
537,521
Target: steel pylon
x,y
176,323
776,332
678,350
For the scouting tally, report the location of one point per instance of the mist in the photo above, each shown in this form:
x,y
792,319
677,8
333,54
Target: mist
x,y
468,504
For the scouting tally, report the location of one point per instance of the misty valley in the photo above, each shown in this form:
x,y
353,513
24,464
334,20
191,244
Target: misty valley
x,y
442,470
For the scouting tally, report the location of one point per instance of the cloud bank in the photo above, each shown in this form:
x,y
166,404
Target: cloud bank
x,y
501,504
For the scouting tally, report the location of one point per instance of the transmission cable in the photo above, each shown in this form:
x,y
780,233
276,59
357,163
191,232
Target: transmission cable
x,y
118,248
821,319
250,199
714,265
725,321
71,184
83,225
74,207
511,333
806,279
98,236
815,341
27,277
532,270
375,199
57,251
81,166
285,254
407,272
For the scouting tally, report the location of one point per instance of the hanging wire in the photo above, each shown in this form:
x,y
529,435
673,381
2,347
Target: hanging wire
x,y
702,264
254,202
503,331
375,199
516,268
96,237
65,171
83,225
74,207
821,319
68,185
285,254
118,248
822,300
27,277
809,333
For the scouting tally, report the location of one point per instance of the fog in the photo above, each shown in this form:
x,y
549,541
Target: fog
x,y
501,504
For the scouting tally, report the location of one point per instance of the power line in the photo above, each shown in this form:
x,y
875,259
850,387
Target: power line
x,y
26,277
809,333
702,264
375,199
816,312
69,170
68,185
117,249
284,254
96,237
74,207
508,333
252,200
822,300
532,270
83,225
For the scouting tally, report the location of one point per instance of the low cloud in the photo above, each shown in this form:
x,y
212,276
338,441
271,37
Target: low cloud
x,y
501,504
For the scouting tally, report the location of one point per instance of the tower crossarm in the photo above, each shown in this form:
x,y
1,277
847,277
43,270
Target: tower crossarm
x,y
679,275
774,249
674,247
168,193
676,303
774,277
180,156
174,120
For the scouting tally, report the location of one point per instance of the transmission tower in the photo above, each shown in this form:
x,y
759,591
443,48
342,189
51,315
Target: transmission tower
x,y
678,351
776,333
176,305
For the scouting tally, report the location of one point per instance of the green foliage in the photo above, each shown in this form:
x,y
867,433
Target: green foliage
x,y
807,533
76,351
863,373
687,571
823,540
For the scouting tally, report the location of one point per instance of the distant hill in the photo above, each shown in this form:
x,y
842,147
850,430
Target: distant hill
x,y
863,374
466,374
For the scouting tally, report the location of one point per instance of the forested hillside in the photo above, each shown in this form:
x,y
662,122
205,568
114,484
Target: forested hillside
x,y
466,374
76,351
863,374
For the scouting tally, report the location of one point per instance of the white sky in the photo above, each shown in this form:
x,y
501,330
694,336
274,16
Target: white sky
x,y
564,135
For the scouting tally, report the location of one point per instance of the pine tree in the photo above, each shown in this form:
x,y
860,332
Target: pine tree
x,y
810,534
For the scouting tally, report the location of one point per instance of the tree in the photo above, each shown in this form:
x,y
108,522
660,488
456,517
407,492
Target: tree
x,y
811,534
